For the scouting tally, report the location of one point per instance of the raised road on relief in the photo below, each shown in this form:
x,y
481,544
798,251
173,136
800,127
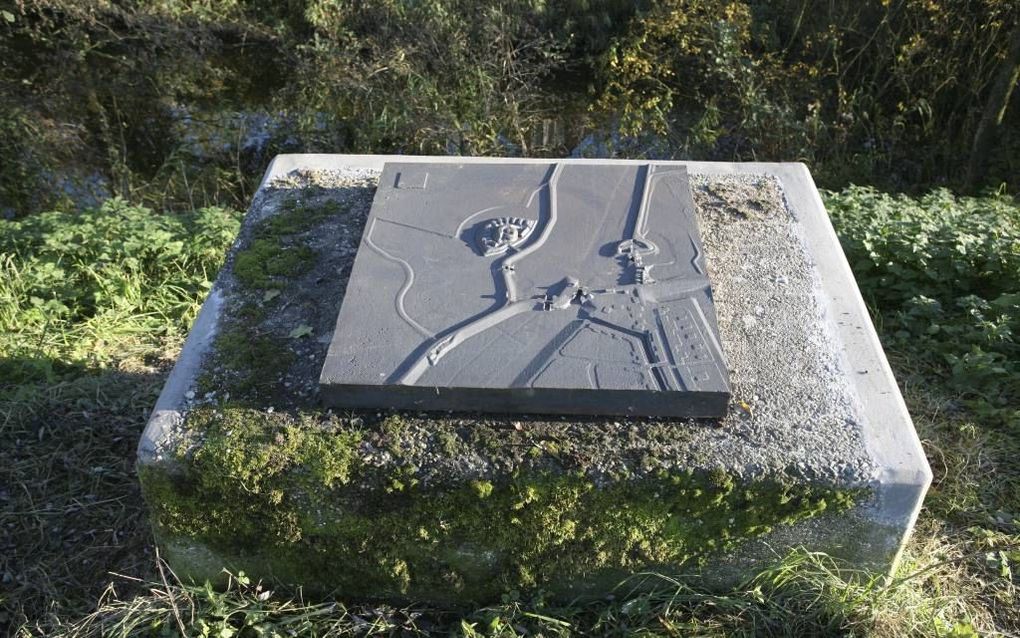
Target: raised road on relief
x,y
572,288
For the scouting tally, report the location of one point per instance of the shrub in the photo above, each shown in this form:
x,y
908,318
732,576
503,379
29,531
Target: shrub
x,y
882,91
449,76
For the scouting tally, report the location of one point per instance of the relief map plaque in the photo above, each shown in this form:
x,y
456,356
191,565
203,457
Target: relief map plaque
x,y
568,288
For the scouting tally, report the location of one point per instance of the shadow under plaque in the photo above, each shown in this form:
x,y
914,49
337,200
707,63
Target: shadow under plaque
x,y
546,288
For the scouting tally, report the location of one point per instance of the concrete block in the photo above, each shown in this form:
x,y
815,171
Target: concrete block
x,y
245,465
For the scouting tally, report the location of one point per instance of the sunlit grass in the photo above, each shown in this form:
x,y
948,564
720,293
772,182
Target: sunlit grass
x,y
805,594
110,287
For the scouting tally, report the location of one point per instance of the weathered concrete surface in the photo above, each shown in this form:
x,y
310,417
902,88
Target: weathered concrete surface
x,y
534,288
248,471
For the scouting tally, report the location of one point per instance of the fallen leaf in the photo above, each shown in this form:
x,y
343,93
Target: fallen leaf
x,y
301,331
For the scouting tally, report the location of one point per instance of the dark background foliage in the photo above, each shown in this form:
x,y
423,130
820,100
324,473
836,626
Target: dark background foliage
x,y
171,101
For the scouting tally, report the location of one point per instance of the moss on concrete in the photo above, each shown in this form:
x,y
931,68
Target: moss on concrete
x,y
272,256
244,357
250,354
296,217
296,497
265,263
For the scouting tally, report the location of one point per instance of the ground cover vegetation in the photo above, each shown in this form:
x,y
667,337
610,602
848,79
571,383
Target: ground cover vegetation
x,y
133,132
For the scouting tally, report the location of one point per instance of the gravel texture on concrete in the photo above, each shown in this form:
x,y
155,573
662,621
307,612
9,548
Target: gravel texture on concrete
x,y
793,403
793,409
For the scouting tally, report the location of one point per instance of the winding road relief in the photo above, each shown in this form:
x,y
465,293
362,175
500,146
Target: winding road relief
x,y
567,287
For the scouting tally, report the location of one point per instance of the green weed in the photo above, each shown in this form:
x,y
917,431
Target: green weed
x,y
106,287
943,275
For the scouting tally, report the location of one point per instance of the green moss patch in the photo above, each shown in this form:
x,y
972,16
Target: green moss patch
x,y
298,497
244,355
265,263
274,255
295,218
284,288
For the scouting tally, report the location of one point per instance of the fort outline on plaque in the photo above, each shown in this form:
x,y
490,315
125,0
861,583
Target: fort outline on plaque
x,y
530,287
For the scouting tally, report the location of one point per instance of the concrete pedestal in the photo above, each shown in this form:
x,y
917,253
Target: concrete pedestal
x,y
246,466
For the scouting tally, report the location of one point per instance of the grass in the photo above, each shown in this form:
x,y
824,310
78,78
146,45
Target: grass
x,y
85,353
785,599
